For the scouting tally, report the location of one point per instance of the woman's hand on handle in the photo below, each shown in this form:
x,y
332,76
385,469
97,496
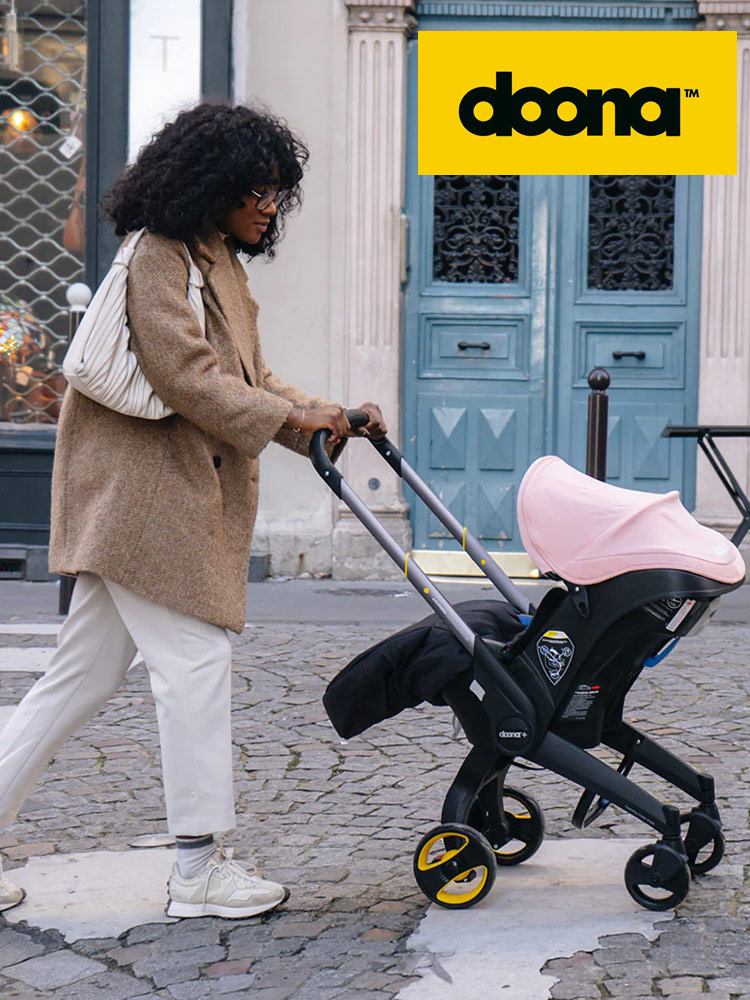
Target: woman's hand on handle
x,y
330,418
333,418
376,428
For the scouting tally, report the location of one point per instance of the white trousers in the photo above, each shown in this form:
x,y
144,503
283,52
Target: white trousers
x,y
189,665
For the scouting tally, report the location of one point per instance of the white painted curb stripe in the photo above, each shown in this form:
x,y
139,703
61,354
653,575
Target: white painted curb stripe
x,y
35,659
25,658
29,628
94,894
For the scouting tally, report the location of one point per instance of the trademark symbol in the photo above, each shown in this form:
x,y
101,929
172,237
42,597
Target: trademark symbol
x,y
691,92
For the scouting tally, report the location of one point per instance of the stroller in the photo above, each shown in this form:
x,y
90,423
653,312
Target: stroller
x,y
636,573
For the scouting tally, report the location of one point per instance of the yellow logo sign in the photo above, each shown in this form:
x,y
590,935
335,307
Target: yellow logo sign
x,y
577,102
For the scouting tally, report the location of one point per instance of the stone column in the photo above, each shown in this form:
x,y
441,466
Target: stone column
x,y
376,119
725,312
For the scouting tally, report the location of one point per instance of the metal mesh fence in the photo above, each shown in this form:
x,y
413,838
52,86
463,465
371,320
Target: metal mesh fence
x,y
42,191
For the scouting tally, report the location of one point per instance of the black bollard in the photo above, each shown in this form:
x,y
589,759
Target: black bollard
x,y
596,442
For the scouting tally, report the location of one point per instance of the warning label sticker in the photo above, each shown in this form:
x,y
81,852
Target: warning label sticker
x,y
580,703
681,615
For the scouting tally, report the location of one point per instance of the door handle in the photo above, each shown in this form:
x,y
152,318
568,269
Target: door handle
x,y
464,345
638,355
404,247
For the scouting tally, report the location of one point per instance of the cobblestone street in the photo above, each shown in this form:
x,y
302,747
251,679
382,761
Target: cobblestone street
x,y
339,821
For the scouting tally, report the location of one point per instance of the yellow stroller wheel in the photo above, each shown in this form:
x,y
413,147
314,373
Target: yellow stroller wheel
x,y
454,866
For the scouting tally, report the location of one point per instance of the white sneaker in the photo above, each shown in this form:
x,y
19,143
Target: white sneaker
x,y
224,889
10,895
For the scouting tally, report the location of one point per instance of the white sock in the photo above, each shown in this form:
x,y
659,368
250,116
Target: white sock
x,y
193,854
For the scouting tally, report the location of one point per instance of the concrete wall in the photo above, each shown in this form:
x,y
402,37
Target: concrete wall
x,y
291,55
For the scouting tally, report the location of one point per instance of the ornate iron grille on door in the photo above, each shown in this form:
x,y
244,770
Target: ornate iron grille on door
x,y
631,233
475,235
42,173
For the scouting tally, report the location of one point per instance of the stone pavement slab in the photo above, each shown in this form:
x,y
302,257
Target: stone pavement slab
x,y
105,986
56,969
19,991
15,948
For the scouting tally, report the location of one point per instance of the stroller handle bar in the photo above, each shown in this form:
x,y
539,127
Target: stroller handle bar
x,y
419,580
470,544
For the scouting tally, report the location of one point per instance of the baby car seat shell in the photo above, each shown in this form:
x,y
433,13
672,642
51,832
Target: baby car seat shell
x,y
586,531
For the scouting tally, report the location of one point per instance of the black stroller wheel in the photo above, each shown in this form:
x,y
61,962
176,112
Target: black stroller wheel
x,y
657,876
704,842
699,862
511,820
454,866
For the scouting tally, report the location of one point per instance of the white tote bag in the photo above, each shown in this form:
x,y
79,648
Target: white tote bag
x,y
99,362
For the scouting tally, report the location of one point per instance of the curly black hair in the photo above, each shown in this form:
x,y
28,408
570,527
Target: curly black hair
x,y
209,156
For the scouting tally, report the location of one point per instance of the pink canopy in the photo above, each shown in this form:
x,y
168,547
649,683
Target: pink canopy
x,y
586,531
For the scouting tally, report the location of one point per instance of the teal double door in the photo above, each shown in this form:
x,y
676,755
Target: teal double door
x,y
516,288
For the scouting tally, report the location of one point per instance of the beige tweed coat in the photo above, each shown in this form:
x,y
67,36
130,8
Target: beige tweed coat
x,y
166,507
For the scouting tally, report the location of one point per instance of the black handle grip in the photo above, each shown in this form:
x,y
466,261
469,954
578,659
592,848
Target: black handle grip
x,y
464,345
389,451
323,465
638,355
357,418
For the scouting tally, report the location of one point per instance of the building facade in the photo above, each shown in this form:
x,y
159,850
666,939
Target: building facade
x,y
547,276
470,308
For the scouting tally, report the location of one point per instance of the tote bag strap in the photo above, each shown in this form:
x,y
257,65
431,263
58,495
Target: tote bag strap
x,y
127,249
195,278
195,283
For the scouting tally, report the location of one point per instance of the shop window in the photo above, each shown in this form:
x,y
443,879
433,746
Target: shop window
x,y
42,192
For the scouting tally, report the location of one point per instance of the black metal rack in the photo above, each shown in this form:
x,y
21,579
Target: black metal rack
x,y
705,434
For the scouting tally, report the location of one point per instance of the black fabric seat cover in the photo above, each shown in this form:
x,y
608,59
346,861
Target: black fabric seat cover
x,y
410,667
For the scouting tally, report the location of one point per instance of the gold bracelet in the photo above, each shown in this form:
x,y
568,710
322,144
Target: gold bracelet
x,y
301,422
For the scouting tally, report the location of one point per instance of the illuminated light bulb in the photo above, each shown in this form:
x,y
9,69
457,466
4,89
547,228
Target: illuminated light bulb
x,y
21,119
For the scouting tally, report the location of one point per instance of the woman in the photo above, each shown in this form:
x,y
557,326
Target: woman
x,y
156,516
